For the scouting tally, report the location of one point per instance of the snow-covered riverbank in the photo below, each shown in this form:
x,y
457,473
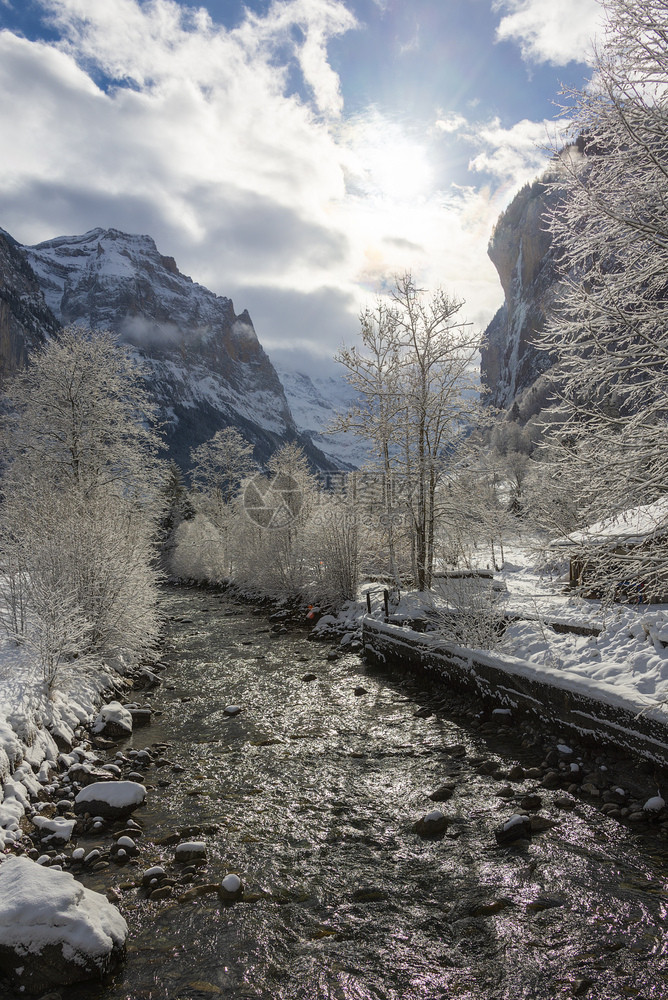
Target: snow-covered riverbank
x,y
35,724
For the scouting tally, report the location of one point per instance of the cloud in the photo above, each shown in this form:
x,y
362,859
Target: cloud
x,y
550,31
512,154
450,122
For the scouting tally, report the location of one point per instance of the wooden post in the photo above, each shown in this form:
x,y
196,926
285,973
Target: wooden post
x,y
368,602
386,597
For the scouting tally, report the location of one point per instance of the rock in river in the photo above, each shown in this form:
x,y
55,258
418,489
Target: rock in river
x,y
431,825
53,931
113,721
192,850
110,799
515,828
231,888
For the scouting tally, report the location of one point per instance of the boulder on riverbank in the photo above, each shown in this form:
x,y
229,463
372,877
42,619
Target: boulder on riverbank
x,y
53,931
113,721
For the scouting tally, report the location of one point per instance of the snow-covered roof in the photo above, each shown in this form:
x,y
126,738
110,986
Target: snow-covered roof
x,y
631,527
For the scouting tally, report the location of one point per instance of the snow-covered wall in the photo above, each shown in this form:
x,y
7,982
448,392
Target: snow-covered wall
x,y
558,697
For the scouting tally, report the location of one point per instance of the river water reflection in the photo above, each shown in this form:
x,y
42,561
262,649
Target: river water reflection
x,y
311,793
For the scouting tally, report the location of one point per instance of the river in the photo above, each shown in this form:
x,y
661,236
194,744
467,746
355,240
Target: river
x,y
310,794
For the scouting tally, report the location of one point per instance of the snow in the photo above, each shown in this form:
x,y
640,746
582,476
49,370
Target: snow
x,y
118,794
58,828
315,401
41,906
630,526
31,718
191,847
625,664
515,820
655,804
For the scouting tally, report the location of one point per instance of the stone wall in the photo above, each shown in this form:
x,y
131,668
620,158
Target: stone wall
x,y
500,681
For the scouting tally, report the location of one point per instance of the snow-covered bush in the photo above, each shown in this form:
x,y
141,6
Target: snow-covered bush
x,y
473,615
198,552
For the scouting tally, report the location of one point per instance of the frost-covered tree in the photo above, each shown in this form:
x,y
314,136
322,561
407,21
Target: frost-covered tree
x,y
81,495
268,540
610,330
220,465
415,377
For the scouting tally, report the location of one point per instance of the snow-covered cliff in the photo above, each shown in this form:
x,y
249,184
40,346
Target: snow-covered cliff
x,y
521,249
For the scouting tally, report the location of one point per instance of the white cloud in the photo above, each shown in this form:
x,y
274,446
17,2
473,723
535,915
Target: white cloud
x,y
450,123
552,31
514,154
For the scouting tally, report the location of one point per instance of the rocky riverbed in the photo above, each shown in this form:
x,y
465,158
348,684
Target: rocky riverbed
x,y
315,828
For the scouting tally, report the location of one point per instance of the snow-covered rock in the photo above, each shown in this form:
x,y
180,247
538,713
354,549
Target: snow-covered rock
x,y
432,824
110,799
231,888
515,828
56,830
113,721
655,804
53,931
192,850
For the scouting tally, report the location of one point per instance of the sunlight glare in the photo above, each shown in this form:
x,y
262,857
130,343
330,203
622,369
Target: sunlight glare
x,y
390,164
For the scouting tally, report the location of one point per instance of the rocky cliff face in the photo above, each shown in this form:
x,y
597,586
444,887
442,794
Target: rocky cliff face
x,y
25,318
209,369
521,250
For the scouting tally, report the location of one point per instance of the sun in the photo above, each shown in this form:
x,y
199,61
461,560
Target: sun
x,y
389,163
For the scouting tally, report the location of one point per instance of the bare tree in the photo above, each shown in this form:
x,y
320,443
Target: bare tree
x,y
415,377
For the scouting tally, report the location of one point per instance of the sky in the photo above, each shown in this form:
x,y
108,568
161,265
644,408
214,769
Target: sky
x,y
293,155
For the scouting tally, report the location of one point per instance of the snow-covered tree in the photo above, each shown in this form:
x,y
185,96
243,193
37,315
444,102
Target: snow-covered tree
x,y
414,375
610,330
270,551
220,465
82,494
334,535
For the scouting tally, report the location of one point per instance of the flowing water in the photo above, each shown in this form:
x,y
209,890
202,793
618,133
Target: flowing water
x,y
311,793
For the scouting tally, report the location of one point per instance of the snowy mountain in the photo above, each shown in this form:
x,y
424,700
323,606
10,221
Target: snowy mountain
x,y
315,402
209,369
